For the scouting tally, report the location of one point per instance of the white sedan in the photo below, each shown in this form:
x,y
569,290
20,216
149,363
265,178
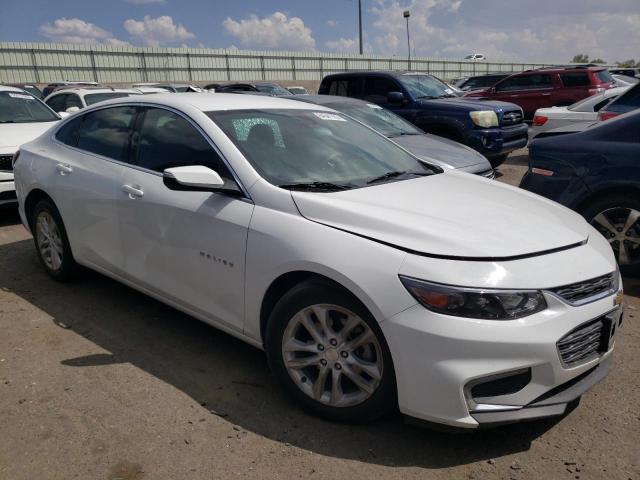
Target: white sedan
x,y
585,110
371,279
71,99
22,118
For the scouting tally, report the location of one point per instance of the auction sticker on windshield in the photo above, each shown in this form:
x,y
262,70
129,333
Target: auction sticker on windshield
x,y
21,95
329,116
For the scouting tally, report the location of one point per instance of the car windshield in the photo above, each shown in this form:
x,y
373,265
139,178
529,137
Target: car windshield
x,y
92,98
378,118
425,86
276,90
309,149
581,104
20,107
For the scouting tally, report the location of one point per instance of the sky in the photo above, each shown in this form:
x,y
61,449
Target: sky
x,y
516,30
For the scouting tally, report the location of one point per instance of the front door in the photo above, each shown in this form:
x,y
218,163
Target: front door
x,y
187,246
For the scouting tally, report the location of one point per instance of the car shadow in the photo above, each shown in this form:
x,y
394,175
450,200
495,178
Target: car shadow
x,y
230,378
9,215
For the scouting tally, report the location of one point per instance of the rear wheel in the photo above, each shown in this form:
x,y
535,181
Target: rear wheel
x,y
617,217
51,242
328,352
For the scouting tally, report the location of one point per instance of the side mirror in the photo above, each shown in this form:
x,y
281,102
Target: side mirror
x,y
72,109
196,178
395,98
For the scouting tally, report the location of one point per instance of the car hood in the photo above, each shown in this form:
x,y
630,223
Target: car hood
x,y
451,215
15,134
445,152
467,103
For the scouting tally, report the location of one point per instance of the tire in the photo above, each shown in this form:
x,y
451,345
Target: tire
x,y
497,160
309,301
615,210
53,247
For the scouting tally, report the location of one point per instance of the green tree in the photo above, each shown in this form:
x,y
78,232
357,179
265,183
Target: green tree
x,y
629,63
583,58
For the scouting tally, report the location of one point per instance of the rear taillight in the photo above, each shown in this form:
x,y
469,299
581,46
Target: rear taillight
x,y
539,120
542,171
602,116
14,160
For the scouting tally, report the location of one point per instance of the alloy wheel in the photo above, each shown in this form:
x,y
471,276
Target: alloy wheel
x,y
620,226
332,355
49,241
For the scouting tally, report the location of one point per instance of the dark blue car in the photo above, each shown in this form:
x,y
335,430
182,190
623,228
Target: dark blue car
x,y
596,173
492,128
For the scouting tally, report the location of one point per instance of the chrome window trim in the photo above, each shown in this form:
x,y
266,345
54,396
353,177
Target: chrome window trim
x,y
54,131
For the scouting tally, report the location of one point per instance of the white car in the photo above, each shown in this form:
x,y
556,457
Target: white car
x,y
149,90
585,110
70,100
296,90
476,57
370,278
22,118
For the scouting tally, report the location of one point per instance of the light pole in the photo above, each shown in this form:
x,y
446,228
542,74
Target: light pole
x,y
360,23
406,14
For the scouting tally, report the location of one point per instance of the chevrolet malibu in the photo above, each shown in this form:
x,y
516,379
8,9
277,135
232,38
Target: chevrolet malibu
x,y
370,278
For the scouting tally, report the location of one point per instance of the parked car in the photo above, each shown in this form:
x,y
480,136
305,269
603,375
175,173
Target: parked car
x,y
369,277
627,102
629,72
147,90
48,90
232,87
624,81
548,87
27,87
475,57
23,117
171,87
430,148
480,81
492,128
597,174
298,90
72,99
586,110
272,89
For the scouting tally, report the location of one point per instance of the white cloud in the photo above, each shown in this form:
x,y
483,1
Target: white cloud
x,y
332,23
343,45
154,32
144,2
276,31
75,30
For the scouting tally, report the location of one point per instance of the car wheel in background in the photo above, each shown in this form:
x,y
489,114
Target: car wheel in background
x,y
498,160
328,352
617,218
51,241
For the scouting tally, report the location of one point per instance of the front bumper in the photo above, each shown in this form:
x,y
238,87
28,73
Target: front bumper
x,y
493,142
438,359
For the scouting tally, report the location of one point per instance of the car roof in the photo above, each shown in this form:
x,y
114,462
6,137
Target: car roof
x,y
329,100
88,90
208,102
367,73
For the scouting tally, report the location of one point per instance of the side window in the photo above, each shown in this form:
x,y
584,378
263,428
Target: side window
x,y
106,132
344,87
73,100
376,89
57,103
167,140
525,82
575,79
68,133
598,106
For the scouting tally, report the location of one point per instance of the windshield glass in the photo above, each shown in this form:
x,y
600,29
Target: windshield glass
x,y
92,98
378,118
17,107
273,90
301,147
425,86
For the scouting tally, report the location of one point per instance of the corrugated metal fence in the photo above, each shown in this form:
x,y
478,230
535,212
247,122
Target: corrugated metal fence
x,y
47,62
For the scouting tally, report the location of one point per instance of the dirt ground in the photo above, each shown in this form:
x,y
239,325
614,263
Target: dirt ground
x,y
98,381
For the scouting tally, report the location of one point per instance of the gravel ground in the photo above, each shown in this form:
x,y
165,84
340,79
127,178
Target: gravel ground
x,y
98,381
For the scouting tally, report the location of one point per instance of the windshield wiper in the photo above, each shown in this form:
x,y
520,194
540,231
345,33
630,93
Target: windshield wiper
x,y
394,174
315,186
401,134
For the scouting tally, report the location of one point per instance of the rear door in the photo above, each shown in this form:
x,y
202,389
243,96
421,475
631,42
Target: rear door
x,y
91,149
187,246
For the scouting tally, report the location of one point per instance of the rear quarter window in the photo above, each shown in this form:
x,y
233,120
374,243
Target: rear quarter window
x,y
604,76
575,79
68,133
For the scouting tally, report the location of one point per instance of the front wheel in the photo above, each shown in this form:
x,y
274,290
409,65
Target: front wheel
x,y
616,218
328,352
497,160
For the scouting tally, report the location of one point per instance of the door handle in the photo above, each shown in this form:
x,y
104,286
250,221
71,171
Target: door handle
x,y
545,94
64,168
134,191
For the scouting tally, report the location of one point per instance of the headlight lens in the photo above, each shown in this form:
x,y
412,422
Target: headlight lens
x,y
484,118
475,303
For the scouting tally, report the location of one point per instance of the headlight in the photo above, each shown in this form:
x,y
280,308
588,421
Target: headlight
x,y
484,118
475,303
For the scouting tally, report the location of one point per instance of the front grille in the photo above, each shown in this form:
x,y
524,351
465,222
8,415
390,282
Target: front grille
x,y
511,118
580,292
581,344
5,163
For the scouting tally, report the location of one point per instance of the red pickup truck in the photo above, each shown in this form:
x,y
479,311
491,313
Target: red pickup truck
x,y
548,87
